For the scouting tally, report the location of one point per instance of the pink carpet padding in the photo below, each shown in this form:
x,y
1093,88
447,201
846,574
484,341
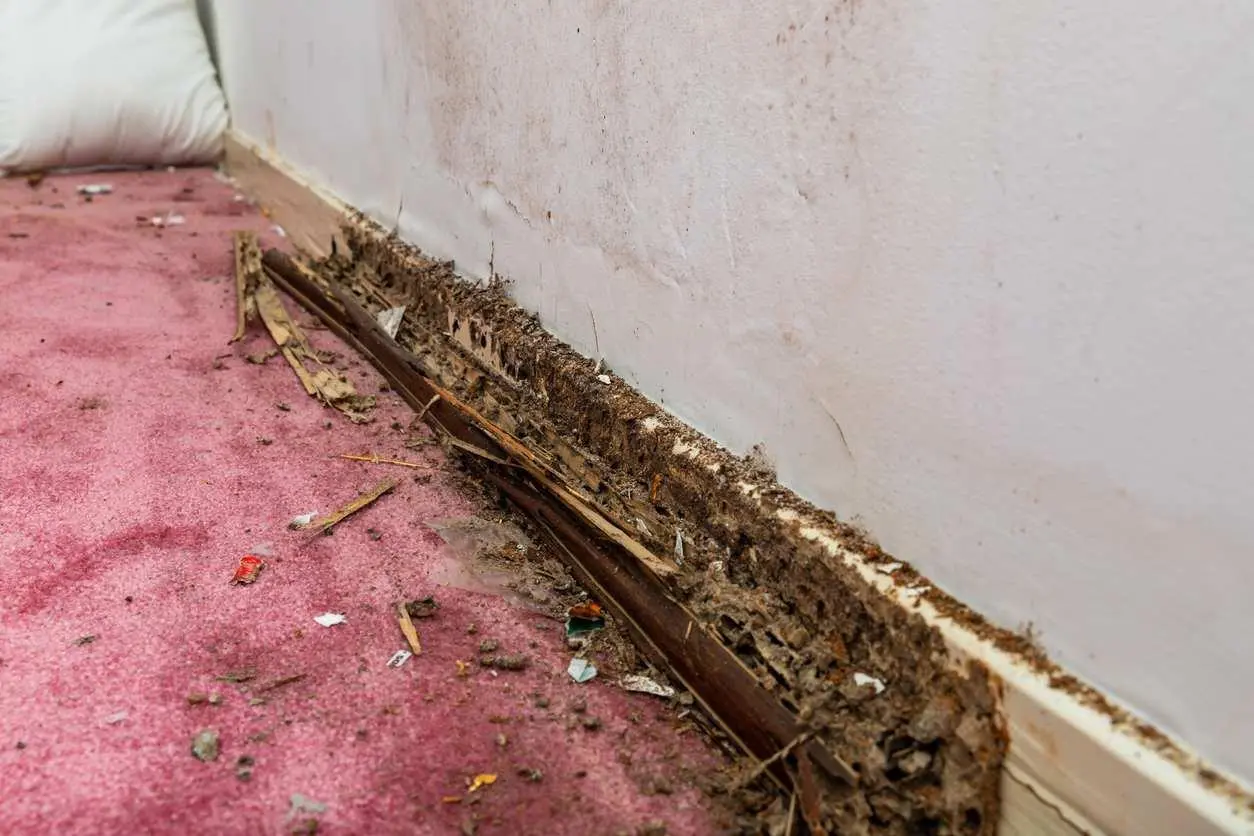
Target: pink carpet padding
x,y
133,477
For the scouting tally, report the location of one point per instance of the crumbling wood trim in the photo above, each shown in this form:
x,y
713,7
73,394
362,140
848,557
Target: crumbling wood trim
x,y
1069,767
596,549
247,277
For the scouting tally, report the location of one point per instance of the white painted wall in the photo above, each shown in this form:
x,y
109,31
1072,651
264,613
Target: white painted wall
x,y
978,274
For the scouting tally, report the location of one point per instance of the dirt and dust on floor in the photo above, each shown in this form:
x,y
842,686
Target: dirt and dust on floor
x,y
247,592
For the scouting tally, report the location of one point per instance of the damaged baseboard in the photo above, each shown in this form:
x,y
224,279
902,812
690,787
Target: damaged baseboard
x,y
1075,763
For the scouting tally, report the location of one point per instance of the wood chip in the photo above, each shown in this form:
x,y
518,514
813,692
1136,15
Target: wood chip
x,y
407,627
335,517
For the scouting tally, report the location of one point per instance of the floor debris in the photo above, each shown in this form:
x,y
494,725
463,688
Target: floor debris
x,y
423,607
248,570
205,745
399,658
240,675
327,523
409,631
581,670
583,619
280,682
244,767
644,685
168,219
507,662
302,520
255,295
330,619
390,320
860,679
382,460
83,641
201,698
480,781
116,717
93,189
305,806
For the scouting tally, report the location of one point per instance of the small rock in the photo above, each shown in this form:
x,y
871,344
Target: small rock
x,y
21,744
592,723
471,630
282,407
205,745
488,646
535,776
502,740
244,768
264,441
83,641
374,535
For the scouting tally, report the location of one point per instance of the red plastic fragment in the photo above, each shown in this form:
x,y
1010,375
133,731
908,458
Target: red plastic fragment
x,y
248,569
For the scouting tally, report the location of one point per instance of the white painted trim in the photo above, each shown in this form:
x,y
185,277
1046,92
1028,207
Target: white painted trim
x,y
1069,769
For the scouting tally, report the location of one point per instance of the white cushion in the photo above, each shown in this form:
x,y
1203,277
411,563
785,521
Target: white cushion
x,y
106,82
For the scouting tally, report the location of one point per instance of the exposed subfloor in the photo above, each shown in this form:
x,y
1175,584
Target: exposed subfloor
x,y
140,458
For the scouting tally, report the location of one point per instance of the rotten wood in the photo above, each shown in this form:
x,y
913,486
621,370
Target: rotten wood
x,y
625,574
247,276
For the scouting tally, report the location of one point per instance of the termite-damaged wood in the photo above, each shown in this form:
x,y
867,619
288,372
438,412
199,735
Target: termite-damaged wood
x,y
622,572
927,749
247,277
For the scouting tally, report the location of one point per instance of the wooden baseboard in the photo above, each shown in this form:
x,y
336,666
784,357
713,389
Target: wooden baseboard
x,y
1071,767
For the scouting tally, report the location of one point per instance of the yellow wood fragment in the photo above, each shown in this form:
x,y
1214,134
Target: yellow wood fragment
x,y
411,634
335,517
373,459
480,781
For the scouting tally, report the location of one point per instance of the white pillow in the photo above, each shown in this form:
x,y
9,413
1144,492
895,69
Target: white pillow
x,y
106,82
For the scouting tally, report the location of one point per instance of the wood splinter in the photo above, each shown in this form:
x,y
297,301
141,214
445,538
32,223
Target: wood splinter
x,y
328,522
407,627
